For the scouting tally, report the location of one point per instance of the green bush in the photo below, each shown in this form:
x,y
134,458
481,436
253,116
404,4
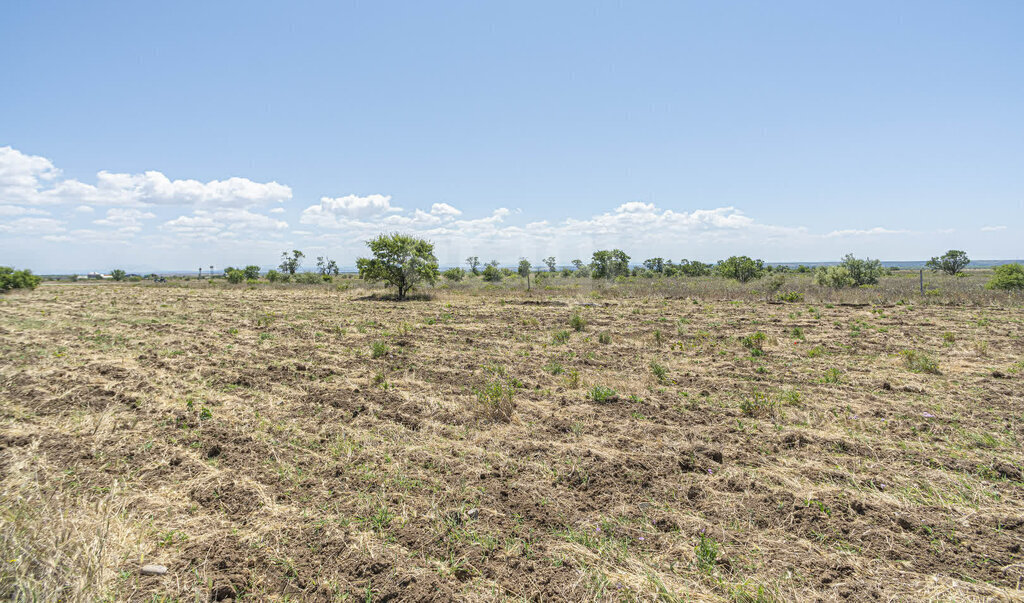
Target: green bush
x,y
273,276
1007,277
492,274
308,278
17,279
234,275
835,277
251,272
454,274
740,268
577,322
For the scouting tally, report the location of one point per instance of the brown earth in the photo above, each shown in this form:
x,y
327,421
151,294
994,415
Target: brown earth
x,y
249,440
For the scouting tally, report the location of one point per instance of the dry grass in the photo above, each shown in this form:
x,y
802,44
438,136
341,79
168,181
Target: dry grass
x,y
304,443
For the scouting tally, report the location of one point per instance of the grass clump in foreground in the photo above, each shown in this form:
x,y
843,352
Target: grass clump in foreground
x,y
496,399
599,393
919,362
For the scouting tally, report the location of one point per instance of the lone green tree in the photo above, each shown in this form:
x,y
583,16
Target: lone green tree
x,y
609,264
291,263
117,274
952,262
524,271
399,260
740,268
550,263
474,264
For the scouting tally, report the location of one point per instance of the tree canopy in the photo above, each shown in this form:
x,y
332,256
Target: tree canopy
x,y
951,262
400,260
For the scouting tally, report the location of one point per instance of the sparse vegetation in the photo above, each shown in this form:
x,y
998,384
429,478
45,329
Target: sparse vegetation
x,y
477,429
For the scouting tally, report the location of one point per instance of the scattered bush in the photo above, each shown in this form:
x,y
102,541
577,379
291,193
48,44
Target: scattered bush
x,y
604,338
492,274
740,268
378,348
308,278
251,272
1007,277
273,276
454,274
835,277
577,322
17,279
560,337
234,275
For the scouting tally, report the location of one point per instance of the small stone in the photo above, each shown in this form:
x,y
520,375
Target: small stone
x,y
153,570
644,506
473,513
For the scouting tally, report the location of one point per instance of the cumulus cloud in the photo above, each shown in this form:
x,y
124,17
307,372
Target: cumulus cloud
x,y
33,180
124,218
17,210
992,228
32,226
223,223
443,209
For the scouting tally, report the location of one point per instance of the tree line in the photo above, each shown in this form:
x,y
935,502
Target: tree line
x,y
403,261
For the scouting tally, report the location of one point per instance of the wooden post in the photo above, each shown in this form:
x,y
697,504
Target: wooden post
x,y
922,281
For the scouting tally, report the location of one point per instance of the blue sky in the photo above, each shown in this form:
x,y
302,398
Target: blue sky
x,y
173,135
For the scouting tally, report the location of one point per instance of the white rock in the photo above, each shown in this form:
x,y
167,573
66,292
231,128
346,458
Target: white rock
x,y
153,570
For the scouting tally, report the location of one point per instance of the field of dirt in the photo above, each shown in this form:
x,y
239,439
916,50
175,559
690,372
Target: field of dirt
x,y
313,444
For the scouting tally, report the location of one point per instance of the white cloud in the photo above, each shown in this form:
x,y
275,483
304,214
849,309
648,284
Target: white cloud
x,y
17,210
277,210
444,210
21,175
992,228
223,223
32,226
337,211
84,209
878,230
33,180
124,218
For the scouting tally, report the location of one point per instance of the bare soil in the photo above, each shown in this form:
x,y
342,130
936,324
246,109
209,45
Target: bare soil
x,y
305,444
